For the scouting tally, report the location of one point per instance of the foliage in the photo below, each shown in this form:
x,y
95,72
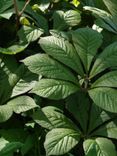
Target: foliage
x,y
58,78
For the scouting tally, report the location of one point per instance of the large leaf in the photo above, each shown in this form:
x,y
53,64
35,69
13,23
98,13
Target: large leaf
x,y
18,105
61,140
43,65
54,89
51,117
78,105
107,80
105,98
99,146
62,19
63,51
105,60
86,42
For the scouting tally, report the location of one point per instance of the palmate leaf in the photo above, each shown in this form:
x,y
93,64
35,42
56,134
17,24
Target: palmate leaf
x,y
18,105
51,117
43,65
99,146
63,51
86,42
54,89
61,140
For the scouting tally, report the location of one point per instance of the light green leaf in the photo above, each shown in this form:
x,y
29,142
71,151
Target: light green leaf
x,y
14,49
86,42
105,60
29,33
54,89
61,140
18,105
99,147
22,104
105,98
43,65
63,20
51,117
63,51
107,80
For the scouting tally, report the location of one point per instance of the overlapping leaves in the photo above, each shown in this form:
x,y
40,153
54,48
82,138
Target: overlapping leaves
x,y
81,56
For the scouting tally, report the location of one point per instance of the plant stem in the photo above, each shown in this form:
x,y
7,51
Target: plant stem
x,y
21,12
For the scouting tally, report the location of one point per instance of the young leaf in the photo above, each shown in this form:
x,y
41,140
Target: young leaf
x,y
99,146
61,140
86,42
105,98
63,51
54,89
43,65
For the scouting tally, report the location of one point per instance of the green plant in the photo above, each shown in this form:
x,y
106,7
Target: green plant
x,y
73,64
58,78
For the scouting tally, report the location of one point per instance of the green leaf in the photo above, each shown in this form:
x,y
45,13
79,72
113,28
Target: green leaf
x,y
43,65
99,146
104,19
107,130
63,51
105,98
112,6
14,49
22,104
54,89
25,81
107,80
16,79
78,105
105,60
97,118
63,20
18,105
8,148
86,42
29,33
51,117
61,140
